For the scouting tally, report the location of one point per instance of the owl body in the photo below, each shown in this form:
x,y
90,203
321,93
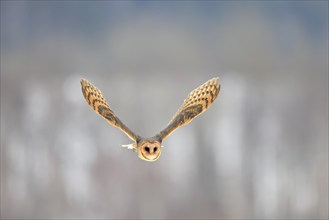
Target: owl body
x,y
149,149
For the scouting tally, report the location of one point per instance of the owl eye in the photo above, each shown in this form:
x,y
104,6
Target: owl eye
x,y
147,149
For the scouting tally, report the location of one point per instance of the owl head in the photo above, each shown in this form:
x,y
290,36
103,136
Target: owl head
x,y
149,150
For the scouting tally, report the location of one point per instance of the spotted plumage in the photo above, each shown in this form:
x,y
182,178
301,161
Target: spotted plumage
x,y
194,104
149,149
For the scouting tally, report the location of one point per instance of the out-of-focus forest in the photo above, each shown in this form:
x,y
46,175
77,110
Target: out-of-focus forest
x,y
260,151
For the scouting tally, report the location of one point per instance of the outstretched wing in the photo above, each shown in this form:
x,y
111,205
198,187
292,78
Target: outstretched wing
x,y
97,102
197,102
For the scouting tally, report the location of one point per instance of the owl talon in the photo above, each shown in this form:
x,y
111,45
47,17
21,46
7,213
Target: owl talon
x,y
129,146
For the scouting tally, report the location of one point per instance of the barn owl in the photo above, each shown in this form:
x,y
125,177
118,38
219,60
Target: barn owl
x,y
149,149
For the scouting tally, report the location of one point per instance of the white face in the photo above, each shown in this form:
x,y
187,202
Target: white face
x,y
149,151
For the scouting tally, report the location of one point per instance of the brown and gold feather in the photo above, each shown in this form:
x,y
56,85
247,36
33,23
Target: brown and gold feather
x,y
97,102
197,102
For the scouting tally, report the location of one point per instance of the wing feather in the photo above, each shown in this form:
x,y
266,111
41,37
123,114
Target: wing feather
x,y
197,102
97,102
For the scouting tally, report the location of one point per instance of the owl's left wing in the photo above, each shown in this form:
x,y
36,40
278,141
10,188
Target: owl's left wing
x,y
97,102
197,102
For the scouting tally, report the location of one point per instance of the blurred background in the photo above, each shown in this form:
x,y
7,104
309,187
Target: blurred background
x,y
260,151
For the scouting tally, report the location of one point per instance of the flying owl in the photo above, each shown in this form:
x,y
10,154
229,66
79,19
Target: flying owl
x,y
149,149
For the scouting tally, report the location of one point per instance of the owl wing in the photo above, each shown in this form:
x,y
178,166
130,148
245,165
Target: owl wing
x,y
197,102
97,102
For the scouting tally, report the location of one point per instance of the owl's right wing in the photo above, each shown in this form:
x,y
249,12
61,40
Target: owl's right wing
x,y
197,102
97,102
